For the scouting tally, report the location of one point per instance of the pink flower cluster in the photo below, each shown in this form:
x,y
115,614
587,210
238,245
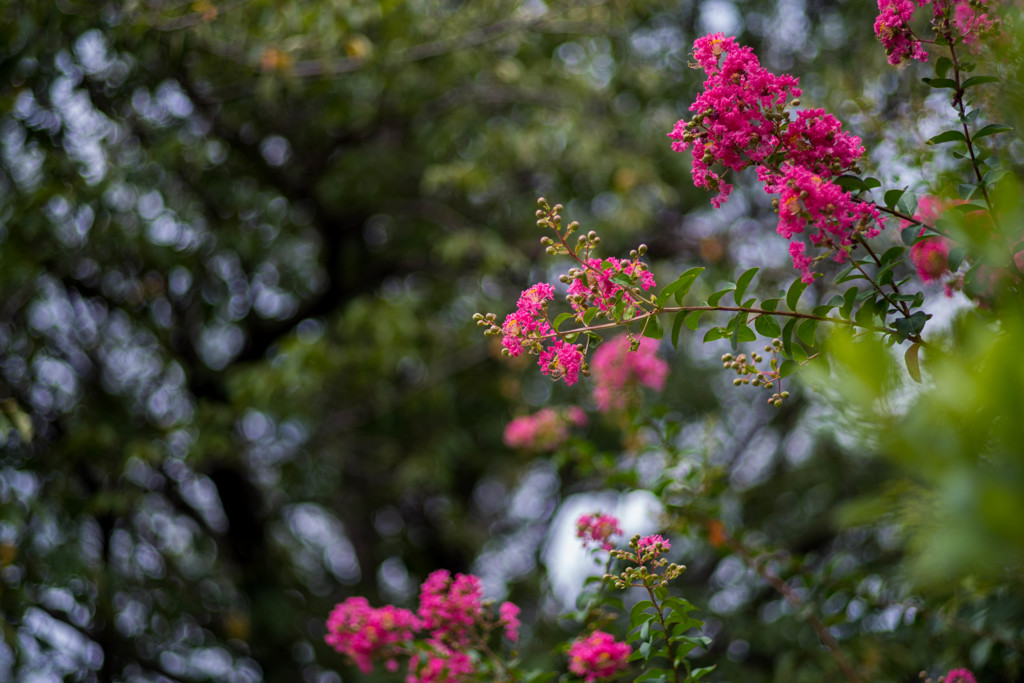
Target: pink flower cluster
x,y
652,544
528,327
598,529
959,676
449,619
365,633
545,430
595,286
741,120
930,256
598,656
965,19
617,367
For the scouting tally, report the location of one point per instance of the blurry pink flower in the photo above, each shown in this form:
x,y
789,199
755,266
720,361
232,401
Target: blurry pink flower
x,y
445,665
597,529
959,676
364,634
931,257
598,656
508,615
616,370
545,430
450,608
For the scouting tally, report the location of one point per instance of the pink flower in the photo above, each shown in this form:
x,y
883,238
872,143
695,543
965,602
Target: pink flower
x,y
444,665
527,325
931,257
561,360
959,676
508,615
363,633
598,529
594,287
616,369
450,608
831,216
893,30
598,656
545,430
652,544
731,124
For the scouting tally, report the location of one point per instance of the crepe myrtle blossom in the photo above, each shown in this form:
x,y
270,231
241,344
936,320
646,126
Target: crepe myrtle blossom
x,y
959,676
652,546
508,617
442,665
545,430
622,363
562,360
365,634
449,608
967,20
592,285
742,119
597,529
598,656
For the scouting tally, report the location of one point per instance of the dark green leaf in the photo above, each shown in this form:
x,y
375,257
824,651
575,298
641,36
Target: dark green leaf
x,y
956,257
966,190
991,129
677,325
793,295
872,183
622,280
787,337
561,319
848,300
716,333
947,136
806,331
851,183
682,285
693,319
717,296
741,284
891,197
909,234
907,327
942,66
654,329
907,203
787,368
940,82
977,80
767,325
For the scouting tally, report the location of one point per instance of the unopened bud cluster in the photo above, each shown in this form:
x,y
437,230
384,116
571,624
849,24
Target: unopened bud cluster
x,y
748,371
645,553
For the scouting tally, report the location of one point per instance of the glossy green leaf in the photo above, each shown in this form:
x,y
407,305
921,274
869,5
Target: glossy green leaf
x,y
742,282
653,328
947,136
991,129
795,291
767,325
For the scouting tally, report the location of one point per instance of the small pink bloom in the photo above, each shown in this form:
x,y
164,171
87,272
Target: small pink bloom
x,y
960,676
364,634
655,544
598,529
561,360
616,370
598,656
450,608
931,258
508,615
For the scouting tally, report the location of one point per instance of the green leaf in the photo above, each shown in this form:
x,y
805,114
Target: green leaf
x,y
677,325
872,183
645,650
956,257
716,333
787,337
767,325
991,129
793,295
907,203
693,319
940,82
907,327
806,332
645,631
769,304
741,284
700,673
654,330
742,334
966,190
589,315
913,366
977,80
561,319
637,613
681,286
909,234
851,183
787,368
891,197
717,296
848,300
622,280
947,136
942,66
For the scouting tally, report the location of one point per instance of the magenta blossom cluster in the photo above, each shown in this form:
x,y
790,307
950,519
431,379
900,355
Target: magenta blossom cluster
x,y
617,367
545,430
598,656
364,633
959,676
741,119
967,20
528,328
597,529
595,287
450,619
652,546
930,256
